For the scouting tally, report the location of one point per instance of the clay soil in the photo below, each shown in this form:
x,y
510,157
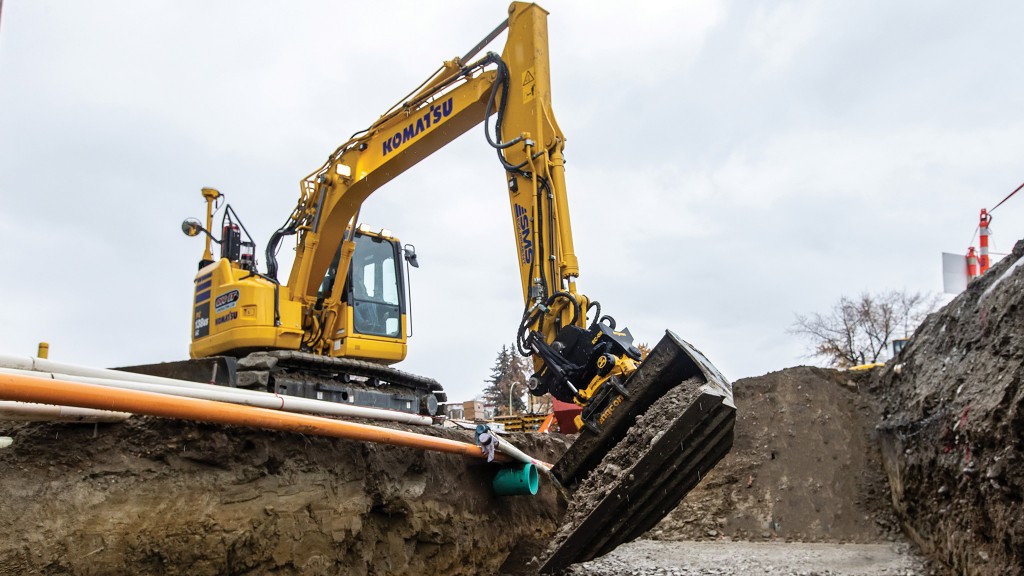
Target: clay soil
x,y
153,496
804,466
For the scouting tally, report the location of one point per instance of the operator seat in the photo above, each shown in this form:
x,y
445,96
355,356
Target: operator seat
x,y
364,311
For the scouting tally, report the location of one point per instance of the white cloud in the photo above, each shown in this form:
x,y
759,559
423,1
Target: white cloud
x,y
778,32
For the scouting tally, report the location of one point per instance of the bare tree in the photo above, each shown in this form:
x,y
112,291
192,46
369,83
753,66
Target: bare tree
x,y
858,330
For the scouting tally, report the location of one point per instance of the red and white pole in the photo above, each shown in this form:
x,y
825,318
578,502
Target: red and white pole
x,y
972,264
983,242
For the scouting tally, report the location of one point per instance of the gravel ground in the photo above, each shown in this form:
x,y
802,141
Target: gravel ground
x,y
656,558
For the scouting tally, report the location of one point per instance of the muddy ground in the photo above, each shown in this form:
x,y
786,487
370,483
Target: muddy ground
x,y
161,497
153,496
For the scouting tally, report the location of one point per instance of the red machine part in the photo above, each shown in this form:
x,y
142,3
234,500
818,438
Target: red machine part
x,y
565,415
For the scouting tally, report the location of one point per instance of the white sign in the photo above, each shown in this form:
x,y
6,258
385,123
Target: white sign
x,y
954,273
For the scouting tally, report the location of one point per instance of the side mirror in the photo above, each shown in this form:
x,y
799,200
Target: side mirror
x,y
410,256
191,227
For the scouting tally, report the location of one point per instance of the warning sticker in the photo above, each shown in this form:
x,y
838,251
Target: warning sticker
x,y
529,85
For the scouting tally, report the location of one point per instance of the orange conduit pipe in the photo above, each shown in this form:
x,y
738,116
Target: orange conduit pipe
x,y
46,391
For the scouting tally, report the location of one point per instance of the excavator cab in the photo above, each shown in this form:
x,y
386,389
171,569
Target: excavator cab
x,y
374,298
238,311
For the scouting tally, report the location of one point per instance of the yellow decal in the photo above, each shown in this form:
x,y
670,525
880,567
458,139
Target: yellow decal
x,y
609,410
529,85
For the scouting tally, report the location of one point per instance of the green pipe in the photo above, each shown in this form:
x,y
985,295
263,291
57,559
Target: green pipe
x,y
516,479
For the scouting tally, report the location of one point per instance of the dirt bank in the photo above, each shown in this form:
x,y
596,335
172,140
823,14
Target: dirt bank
x,y
162,497
153,496
953,429
805,466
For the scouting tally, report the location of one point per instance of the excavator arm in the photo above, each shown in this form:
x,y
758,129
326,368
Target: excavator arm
x,y
515,87
460,95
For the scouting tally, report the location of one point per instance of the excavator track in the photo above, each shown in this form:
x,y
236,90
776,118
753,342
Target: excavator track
x,y
656,442
288,360
343,380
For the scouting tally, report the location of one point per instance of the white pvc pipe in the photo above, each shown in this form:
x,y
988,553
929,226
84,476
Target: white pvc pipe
x,y
293,404
171,386
236,396
30,412
506,447
64,368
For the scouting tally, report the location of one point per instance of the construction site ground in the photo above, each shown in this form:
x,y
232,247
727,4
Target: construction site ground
x,y
914,468
168,497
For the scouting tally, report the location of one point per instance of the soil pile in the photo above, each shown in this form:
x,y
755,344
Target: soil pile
x,y
152,496
953,433
804,466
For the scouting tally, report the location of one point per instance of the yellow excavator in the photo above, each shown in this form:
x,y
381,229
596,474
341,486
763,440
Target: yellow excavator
x,y
333,330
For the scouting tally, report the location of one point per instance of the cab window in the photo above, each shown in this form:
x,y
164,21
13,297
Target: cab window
x,y
375,291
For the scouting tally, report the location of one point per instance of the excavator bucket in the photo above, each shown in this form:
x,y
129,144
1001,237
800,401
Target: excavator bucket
x,y
648,479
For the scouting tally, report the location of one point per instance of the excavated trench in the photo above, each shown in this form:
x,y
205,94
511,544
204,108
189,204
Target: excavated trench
x,y
155,496
929,448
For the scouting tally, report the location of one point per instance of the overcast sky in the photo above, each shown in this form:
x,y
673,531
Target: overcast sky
x,y
729,164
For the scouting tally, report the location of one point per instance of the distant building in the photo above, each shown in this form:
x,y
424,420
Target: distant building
x,y
454,410
474,410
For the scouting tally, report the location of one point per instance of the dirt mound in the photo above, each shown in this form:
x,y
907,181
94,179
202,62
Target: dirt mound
x,y
804,466
153,496
953,434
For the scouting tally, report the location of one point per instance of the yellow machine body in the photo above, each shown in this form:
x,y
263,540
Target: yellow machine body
x,y
256,312
237,311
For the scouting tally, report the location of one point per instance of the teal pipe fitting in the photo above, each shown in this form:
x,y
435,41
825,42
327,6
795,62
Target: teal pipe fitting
x,y
517,479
